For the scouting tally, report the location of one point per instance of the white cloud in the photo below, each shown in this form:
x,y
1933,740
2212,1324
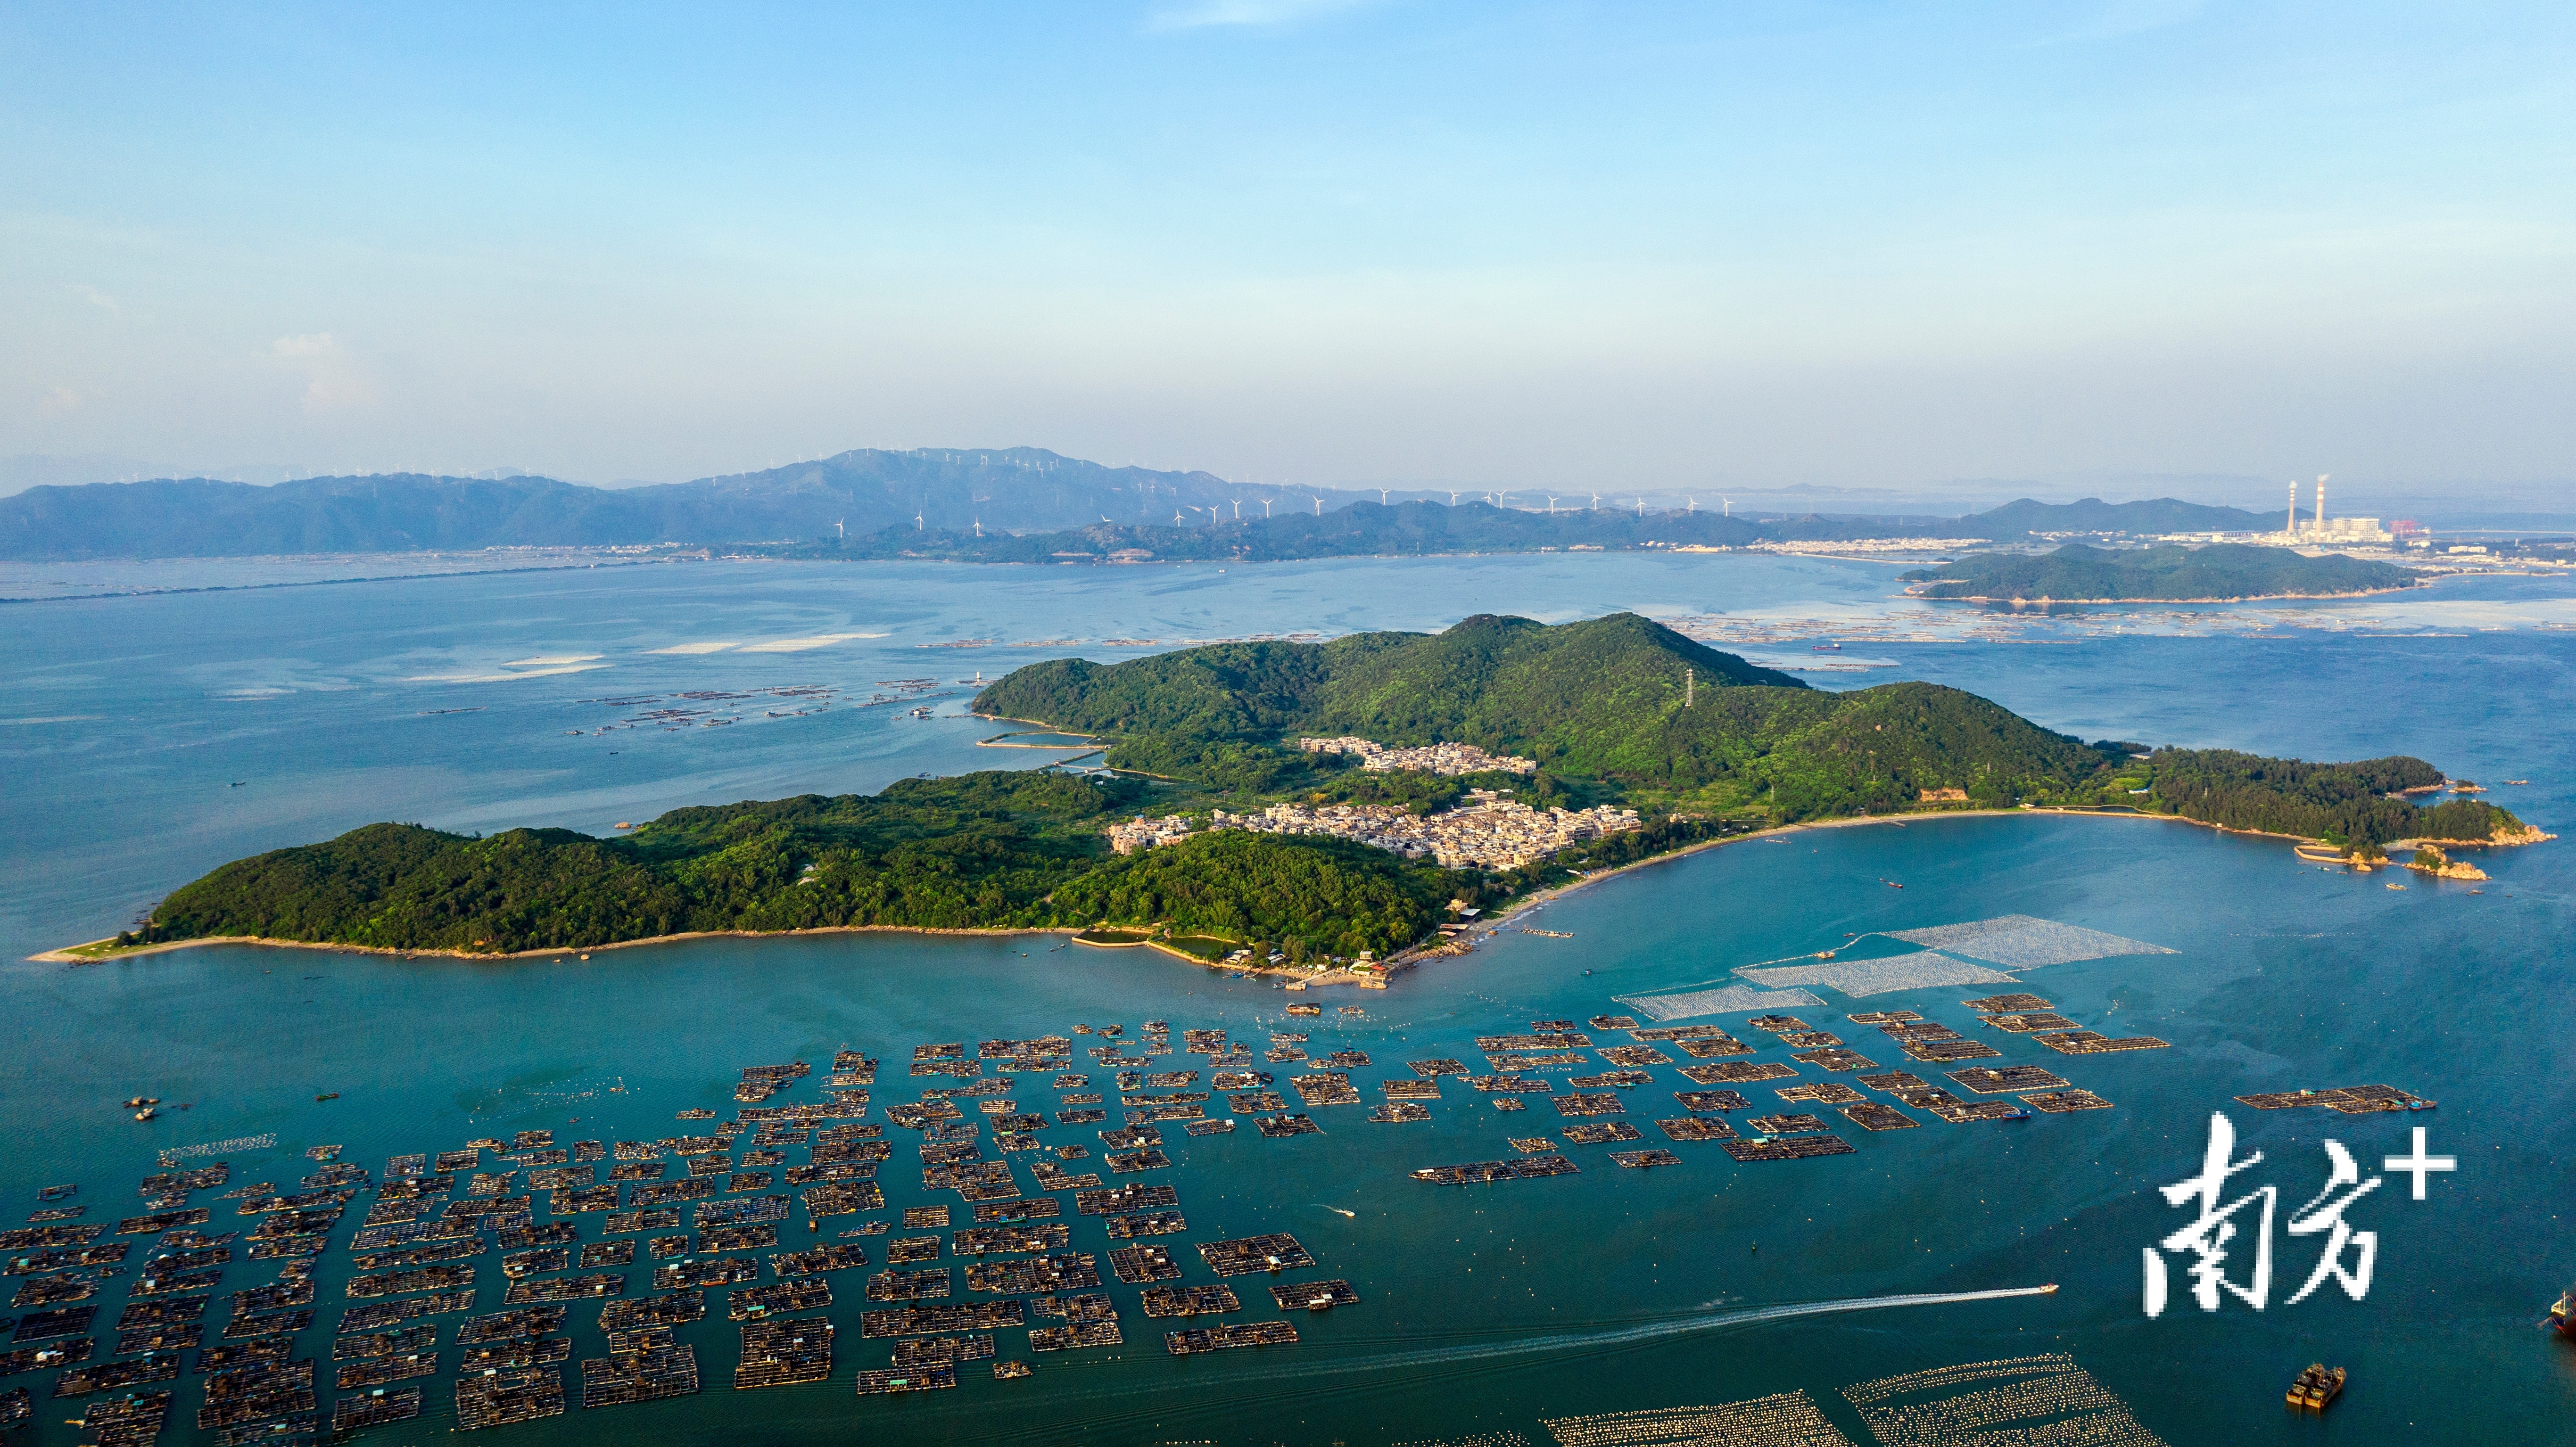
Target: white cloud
x,y
1206,13
95,297
333,380
692,648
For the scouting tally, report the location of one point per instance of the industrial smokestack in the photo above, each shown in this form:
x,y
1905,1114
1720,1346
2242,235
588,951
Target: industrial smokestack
x,y
2321,501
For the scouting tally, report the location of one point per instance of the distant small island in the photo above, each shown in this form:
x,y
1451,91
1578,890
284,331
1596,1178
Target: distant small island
x,y
2215,573
1611,741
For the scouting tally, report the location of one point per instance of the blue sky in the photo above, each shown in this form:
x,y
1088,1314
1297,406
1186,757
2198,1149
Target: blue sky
x,y
1315,242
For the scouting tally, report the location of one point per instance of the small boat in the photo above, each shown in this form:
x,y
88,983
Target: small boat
x,y
140,1101
2315,1387
58,1193
1826,648
2016,1113
2562,1313
334,1095
146,1113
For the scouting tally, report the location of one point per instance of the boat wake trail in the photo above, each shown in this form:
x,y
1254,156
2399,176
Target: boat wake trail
x,y
1569,1343
1650,1331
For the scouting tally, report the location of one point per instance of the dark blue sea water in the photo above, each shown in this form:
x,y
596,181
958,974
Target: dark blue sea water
x,y
1485,1309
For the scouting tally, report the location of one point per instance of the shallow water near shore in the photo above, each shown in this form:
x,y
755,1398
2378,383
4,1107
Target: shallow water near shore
x,y
1483,1309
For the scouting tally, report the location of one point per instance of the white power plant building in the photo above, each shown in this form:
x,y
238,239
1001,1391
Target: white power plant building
x,y
2321,531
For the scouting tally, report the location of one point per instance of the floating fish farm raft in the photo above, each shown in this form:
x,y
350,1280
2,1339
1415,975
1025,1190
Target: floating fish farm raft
x,y
465,1270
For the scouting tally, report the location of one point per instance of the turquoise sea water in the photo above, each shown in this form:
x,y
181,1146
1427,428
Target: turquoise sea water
x,y
1483,1309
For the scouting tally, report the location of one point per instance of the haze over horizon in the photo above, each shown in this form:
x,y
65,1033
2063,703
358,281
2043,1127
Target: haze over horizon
x,y
1301,242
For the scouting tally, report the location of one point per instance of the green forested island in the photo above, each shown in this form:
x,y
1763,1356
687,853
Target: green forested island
x,y
1616,710
2215,573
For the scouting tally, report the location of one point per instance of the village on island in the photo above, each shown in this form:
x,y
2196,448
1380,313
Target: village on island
x,y
1491,831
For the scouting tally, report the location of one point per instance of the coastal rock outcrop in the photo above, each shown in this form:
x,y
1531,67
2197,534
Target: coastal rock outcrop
x,y
2429,859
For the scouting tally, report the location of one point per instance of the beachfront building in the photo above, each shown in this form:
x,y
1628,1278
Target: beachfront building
x,y
1490,833
1435,759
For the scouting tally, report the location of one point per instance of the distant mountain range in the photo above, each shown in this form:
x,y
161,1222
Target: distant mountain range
x,y
951,501
1414,529
1009,490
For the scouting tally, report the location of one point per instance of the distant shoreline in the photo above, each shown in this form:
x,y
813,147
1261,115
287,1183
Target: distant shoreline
x,y
2107,602
304,582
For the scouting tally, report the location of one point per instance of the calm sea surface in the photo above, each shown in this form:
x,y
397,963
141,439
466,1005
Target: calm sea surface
x,y
150,738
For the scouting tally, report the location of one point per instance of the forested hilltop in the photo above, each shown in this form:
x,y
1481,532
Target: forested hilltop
x,y
1620,704
2218,572
1619,709
1624,708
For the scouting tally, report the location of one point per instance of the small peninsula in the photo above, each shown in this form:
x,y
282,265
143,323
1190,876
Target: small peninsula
x,y
2215,573
1610,741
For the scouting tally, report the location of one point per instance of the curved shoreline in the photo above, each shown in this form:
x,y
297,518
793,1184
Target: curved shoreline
x,y
1407,959
65,955
1392,965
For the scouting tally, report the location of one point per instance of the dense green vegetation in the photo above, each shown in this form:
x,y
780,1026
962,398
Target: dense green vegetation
x,y
1328,895
2347,804
1233,765
1603,699
974,851
980,851
2076,573
1601,704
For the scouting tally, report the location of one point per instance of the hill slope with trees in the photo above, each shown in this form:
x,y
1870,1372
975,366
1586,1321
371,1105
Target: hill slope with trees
x,y
1620,699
